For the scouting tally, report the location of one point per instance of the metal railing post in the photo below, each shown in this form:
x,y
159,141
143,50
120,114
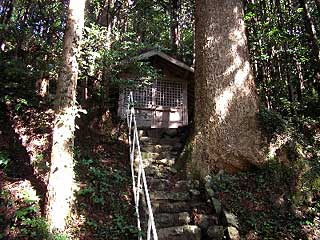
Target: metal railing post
x,y
138,187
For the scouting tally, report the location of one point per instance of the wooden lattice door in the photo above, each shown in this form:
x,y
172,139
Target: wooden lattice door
x,y
162,104
169,104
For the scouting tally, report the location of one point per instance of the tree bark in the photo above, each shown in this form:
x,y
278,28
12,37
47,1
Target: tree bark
x,y
61,179
226,129
174,26
299,86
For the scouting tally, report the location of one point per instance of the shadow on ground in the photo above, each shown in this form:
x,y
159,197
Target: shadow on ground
x,y
104,201
262,201
17,173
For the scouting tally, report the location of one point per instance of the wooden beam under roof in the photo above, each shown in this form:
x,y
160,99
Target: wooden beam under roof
x,y
165,56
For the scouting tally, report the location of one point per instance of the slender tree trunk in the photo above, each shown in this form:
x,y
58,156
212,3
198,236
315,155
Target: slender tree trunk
x,y
104,16
226,134
313,41
299,86
174,26
42,84
61,179
110,13
284,65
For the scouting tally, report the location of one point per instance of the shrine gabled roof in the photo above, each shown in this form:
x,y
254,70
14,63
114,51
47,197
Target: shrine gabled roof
x,y
166,57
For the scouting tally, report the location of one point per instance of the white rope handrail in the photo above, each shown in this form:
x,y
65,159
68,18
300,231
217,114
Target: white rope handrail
x,y
138,176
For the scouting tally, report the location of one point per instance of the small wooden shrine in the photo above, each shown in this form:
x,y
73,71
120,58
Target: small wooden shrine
x,y
164,102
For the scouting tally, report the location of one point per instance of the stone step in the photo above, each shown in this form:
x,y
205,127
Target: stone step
x,y
160,171
166,164
175,195
167,139
185,232
145,139
164,220
164,206
161,184
170,144
187,184
216,232
163,155
195,194
174,201
157,173
156,148
166,185
150,155
163,161
205,221
159,155
160,140
171,196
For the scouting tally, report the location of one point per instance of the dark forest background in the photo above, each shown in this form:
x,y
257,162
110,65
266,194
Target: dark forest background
x,y
283,38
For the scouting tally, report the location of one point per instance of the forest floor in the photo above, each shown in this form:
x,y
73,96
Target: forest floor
x,y
262,202
103,210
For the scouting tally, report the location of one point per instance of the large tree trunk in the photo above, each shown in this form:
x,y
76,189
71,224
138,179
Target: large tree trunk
x,y
61,179
226,129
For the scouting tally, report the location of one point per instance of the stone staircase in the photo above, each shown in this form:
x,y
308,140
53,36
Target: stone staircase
x,y
180,207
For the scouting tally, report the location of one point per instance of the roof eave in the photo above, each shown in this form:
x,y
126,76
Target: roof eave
x,y
166,57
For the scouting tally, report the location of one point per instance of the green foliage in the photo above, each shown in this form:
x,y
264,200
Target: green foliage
x,y
20,103
14,69
261,200
26,219
35,228
104,189
121,228
4,159
31,41
40,162
101,182
26,222
283,57
272,122
60,237
281,53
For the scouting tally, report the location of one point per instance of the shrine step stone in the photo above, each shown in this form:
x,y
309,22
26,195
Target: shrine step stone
x,y
180,207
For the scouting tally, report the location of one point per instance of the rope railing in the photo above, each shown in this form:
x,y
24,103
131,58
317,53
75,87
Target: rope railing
x,y
139,180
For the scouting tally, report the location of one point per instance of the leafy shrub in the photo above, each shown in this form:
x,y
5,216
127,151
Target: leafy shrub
x,y
4,159
104,189
35,228
271,122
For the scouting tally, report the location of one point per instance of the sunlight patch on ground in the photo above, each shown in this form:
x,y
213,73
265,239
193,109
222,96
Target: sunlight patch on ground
x,y
281,140
34,142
